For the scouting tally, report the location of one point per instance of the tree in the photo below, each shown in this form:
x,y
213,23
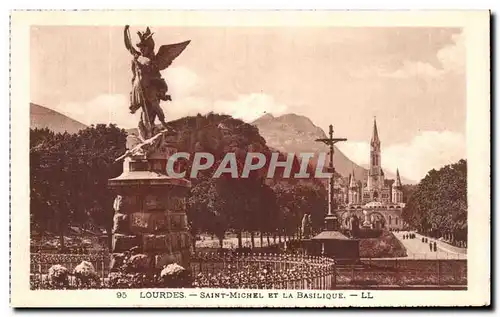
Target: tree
x,y
408,190
296,199
69,174
438,205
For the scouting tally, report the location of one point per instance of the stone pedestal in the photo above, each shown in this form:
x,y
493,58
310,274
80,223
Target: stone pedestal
x,y
150,214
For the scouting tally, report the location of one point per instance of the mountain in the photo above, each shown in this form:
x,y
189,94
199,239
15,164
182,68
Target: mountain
x,y
41,117
292,133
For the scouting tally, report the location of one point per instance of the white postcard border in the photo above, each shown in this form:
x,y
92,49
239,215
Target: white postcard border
x,y
476,28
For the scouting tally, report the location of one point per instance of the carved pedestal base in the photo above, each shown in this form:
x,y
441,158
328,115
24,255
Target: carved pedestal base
x,y
151,229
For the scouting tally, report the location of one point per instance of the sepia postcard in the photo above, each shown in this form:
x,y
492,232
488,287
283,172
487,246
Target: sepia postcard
x,y
250,158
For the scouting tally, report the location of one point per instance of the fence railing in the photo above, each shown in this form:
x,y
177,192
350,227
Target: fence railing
x,y
262,271
283,271
40,264
442,255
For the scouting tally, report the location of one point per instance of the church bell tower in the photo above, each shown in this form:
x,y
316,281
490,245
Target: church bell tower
x,y
375,173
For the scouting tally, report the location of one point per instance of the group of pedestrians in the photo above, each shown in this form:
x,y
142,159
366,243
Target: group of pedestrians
x,y
409,236
432,245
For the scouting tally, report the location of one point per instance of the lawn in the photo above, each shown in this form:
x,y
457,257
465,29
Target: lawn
x,y
384,246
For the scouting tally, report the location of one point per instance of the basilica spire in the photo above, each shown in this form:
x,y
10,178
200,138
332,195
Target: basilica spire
x,y
375,138
397,183
352,183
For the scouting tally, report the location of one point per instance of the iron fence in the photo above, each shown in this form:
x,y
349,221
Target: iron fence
x,y
40,263
281,271
262,271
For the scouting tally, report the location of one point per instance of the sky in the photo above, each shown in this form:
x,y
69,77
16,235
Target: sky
x,y
411,79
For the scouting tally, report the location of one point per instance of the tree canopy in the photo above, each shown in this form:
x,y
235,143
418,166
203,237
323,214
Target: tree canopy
x,y
69,175
438,204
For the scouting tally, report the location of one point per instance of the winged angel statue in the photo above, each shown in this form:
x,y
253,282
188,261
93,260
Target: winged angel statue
x,y
148,87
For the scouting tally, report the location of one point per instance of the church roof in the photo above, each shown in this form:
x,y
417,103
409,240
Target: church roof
x,y
330,235
388,182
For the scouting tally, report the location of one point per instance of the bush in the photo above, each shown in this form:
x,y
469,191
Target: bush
x,y
58,276
175,276
385,246
85,275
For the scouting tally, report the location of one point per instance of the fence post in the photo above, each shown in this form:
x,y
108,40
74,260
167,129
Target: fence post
x,y
334,275
40,270
352,274
102,269
439,272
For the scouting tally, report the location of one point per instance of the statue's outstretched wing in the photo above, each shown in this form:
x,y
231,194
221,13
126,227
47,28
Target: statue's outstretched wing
x,y
167,53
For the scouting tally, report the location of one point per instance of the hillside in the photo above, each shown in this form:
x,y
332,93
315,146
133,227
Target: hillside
x,y
41,117
292,133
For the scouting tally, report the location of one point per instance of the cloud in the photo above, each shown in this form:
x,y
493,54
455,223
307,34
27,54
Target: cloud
x,y
410,69
451,58
358,152
182,81
246,107
113,108
105,108
250,106
413,69
183,86
427,150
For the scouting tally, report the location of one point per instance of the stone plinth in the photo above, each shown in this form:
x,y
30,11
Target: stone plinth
x,y
150,214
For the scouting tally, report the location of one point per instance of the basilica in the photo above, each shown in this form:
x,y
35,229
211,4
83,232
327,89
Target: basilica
x,y
376,202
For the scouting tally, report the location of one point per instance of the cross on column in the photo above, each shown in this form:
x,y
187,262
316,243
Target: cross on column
x,y
330,141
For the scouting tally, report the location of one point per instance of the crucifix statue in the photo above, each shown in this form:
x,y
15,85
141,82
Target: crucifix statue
x,y
330,141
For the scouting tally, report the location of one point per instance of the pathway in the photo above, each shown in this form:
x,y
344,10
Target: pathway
x,y
417,249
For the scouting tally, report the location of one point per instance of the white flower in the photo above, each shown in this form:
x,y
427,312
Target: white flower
x,y
57,274
85,269
171,269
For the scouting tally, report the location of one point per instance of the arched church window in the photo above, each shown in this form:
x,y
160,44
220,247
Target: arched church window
x,y
396,220
390,220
